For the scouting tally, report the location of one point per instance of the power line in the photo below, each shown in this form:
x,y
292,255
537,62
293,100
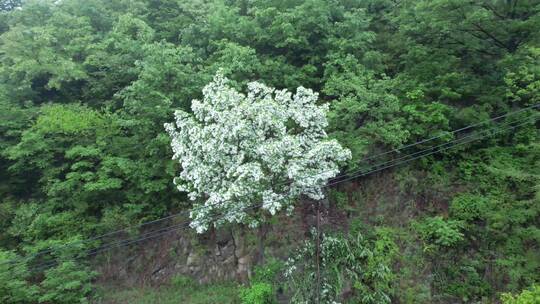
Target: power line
x,y
175,227
126,229
427,154
454,131
435,137
345,176
126,242
166,230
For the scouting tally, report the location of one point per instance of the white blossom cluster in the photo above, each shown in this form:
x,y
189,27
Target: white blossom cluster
x,y
237,150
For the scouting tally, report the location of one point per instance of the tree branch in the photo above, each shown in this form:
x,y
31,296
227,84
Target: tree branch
x,y
493,10
492,37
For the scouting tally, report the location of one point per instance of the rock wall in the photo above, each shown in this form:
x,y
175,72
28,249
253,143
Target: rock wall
x,y
228,253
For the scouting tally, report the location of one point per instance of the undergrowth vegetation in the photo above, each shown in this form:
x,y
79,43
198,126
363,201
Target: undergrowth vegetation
x,y
180,289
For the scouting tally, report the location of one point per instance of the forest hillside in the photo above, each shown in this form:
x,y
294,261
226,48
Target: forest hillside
x,y
269,151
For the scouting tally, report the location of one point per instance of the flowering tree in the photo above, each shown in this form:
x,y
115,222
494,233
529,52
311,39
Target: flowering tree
x,y
246,154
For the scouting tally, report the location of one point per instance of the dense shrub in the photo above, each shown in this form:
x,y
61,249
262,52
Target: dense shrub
x,y
529,296
258,293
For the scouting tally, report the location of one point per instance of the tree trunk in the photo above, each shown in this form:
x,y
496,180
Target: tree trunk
x,y
241,253
262,232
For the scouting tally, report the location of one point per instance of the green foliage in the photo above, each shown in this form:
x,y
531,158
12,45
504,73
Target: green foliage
x,y
181,281
13,285
67,283
357,267
523,76
270,272
258,293
468,207
439,232
262,289
365,112
68,120
226,293
85,87
339,198
529,296
39,60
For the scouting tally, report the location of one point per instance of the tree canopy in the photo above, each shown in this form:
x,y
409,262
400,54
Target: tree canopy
x,y
238,151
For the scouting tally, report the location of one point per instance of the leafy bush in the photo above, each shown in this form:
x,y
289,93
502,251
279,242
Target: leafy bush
x,y
14,289
67,283
356,266
264,279
258,293
439,232
463,281
530,296
269,272
468,207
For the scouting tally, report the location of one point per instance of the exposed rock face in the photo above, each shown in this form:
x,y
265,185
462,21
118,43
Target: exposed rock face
x,y
226,253
218,255
221,255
